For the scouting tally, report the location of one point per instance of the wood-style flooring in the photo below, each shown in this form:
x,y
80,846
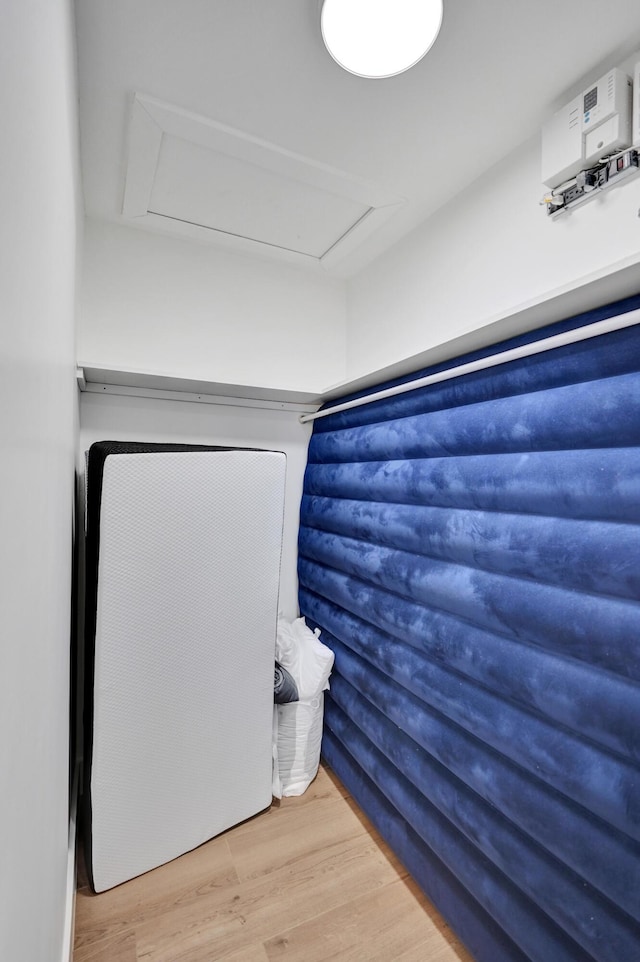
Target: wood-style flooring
x,y
307,881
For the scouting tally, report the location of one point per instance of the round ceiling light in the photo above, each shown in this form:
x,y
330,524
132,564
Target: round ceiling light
x,y
379,38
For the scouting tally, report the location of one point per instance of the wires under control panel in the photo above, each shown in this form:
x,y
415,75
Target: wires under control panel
x,y
608,172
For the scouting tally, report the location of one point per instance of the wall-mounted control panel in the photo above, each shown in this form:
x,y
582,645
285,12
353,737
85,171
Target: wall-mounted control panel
x,y
592,126
635,125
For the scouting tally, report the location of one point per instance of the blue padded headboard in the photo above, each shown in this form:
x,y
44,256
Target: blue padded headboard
x,y
471,552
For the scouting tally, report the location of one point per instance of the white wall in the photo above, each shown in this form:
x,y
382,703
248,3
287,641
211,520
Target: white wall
x,y
39,201
114,418
169,306
488,253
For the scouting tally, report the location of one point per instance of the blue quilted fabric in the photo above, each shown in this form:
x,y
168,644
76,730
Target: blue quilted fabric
x,y
471,553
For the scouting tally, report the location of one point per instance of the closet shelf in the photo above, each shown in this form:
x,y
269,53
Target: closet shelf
x,y
100,380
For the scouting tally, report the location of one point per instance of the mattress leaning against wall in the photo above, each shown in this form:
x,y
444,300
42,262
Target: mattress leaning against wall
x,y
183,561
471,552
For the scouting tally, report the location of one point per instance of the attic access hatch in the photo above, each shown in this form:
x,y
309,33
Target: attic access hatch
x,y
197,178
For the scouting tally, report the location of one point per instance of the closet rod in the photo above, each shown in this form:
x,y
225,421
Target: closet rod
x,y
616,323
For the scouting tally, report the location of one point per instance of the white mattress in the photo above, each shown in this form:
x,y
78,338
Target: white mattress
x,y
186,609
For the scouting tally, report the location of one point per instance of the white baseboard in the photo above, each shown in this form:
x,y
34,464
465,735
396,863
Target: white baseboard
x,y
70,898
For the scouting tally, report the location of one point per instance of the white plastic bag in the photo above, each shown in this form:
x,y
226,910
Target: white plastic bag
x,y
297,726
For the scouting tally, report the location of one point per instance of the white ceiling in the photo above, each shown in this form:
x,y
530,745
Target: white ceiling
x,y
496,72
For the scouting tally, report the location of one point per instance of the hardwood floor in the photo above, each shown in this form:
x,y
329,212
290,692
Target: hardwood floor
x,y
307,881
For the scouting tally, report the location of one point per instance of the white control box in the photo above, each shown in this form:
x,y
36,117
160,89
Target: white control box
x,y
635,127
595,123
562,144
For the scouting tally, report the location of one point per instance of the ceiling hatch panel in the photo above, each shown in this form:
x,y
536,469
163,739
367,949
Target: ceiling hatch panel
x,y
197,178
220,192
